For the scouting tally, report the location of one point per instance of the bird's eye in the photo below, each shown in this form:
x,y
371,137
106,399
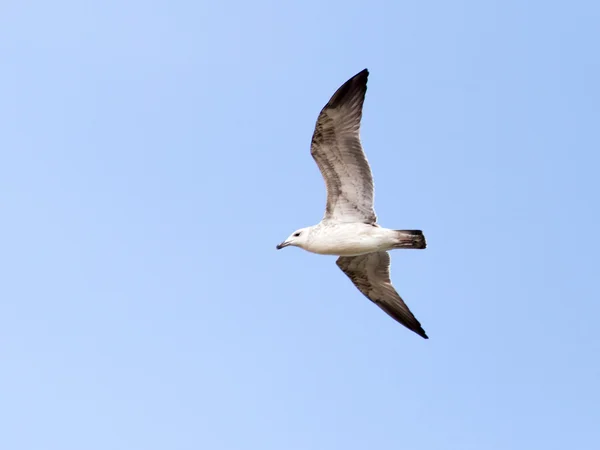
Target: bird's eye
x,y
296,234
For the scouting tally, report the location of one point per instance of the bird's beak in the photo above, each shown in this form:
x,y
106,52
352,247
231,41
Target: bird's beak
x,y
283,244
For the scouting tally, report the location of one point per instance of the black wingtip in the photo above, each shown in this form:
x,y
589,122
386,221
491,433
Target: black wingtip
x,y
419,330
355,86
362,74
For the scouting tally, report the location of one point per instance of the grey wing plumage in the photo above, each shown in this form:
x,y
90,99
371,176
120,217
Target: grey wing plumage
x,y
371,275
338,152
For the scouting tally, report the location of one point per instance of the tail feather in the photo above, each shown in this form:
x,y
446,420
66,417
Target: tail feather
x,y
411,239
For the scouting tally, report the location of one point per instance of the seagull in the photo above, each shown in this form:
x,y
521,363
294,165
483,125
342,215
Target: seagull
x,y
349,228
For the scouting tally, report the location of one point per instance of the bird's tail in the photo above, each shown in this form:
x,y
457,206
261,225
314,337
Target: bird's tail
x,y
410,239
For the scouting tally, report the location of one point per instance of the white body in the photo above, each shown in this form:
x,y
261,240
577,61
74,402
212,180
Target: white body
x,y
348,239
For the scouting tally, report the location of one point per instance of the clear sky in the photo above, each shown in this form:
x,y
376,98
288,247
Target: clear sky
x,y
154,153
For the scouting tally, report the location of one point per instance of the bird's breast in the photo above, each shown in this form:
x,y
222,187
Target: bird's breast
x,y
349,240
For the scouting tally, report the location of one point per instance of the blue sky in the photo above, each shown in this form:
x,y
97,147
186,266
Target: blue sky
x,y
154,153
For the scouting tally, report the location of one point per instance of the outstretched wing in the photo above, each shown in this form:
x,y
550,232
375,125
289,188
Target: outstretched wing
x,y
337,151
371,275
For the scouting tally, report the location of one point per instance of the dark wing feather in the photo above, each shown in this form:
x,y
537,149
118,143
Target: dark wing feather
x,y
371,275
337,151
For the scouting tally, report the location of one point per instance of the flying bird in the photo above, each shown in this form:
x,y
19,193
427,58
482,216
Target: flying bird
x,y
349,228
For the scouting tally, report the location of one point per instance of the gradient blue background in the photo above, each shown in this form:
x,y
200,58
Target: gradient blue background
x,y
153,154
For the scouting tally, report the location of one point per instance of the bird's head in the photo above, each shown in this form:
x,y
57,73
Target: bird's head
x,y
298,239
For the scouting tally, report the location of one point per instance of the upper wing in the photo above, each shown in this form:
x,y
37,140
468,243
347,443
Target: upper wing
x,y
371,275
337,150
